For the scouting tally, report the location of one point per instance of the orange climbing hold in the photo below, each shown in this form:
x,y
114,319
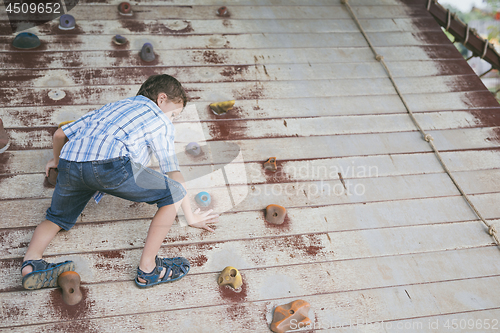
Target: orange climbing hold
x,y
275,214
291,316
70,285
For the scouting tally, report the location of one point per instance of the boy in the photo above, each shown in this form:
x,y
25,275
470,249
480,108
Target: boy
x,y
106,152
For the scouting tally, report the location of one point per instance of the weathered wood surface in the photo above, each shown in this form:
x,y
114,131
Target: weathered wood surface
x,y
88,76
243,41
178,58
218,26
289,169
28,116
407,250
325,288
242,12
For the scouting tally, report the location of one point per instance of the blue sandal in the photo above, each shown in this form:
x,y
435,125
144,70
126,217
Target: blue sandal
x,y
44,274
178,266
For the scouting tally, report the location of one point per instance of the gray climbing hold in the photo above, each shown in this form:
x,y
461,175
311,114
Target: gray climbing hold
x,y
67,22
119,39
193,148
147,53
26,41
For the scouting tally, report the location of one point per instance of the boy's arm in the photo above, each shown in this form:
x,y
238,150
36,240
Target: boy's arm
x,y
194,219
58,142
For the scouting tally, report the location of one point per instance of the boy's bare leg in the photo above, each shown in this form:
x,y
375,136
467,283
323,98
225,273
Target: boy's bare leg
x,y
41,238
158,230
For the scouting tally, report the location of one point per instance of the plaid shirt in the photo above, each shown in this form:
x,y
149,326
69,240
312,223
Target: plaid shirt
x,y
134,127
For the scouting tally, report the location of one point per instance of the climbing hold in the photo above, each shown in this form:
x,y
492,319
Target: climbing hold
x,y
56,94
193,148
4,138
222,107
119,40
26,41
67,22
230,276
52,178
291,316
70,285
275,214
203,199
61,124
222,11
125,8
270,164
147,53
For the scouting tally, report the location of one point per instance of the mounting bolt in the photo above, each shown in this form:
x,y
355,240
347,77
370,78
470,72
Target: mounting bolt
x,y
223,12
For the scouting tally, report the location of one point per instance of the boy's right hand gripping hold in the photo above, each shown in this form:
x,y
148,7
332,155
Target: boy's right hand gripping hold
x,y
200,220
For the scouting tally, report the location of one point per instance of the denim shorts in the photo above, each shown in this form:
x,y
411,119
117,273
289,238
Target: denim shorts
x,y
78,181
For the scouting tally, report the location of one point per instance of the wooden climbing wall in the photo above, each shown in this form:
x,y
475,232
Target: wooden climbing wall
x,y
377,238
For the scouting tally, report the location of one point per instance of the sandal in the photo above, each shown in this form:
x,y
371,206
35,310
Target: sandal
x,y
44,274
178,266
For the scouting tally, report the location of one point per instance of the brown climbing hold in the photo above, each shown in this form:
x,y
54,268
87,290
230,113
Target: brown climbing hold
x,y
4,138
52,178
222,107
125,8
230,276
291,316
270,164
70,285
275,214
223,12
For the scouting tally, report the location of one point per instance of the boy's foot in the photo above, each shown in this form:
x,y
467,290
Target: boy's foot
x,y
41,274
166,270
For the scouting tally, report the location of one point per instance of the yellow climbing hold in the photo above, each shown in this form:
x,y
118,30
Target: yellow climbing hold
x,y
222,107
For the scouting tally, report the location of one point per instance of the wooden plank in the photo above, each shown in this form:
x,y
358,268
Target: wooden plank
x,y
224,41
304,127
31,116
208,74
237,41
253,90
242,12
402,212
274,285
125,58
28,161
218,26
314,146
252,312
280,251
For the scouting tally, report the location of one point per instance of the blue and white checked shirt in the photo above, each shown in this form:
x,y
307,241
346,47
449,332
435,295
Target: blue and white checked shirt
x,y
134,127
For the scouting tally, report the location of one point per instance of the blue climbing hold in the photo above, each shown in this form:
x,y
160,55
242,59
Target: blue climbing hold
x,y
147,53
67,22
193,148
203,199
26,41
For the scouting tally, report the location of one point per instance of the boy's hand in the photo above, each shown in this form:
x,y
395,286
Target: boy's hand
x,y
50,165
200,220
